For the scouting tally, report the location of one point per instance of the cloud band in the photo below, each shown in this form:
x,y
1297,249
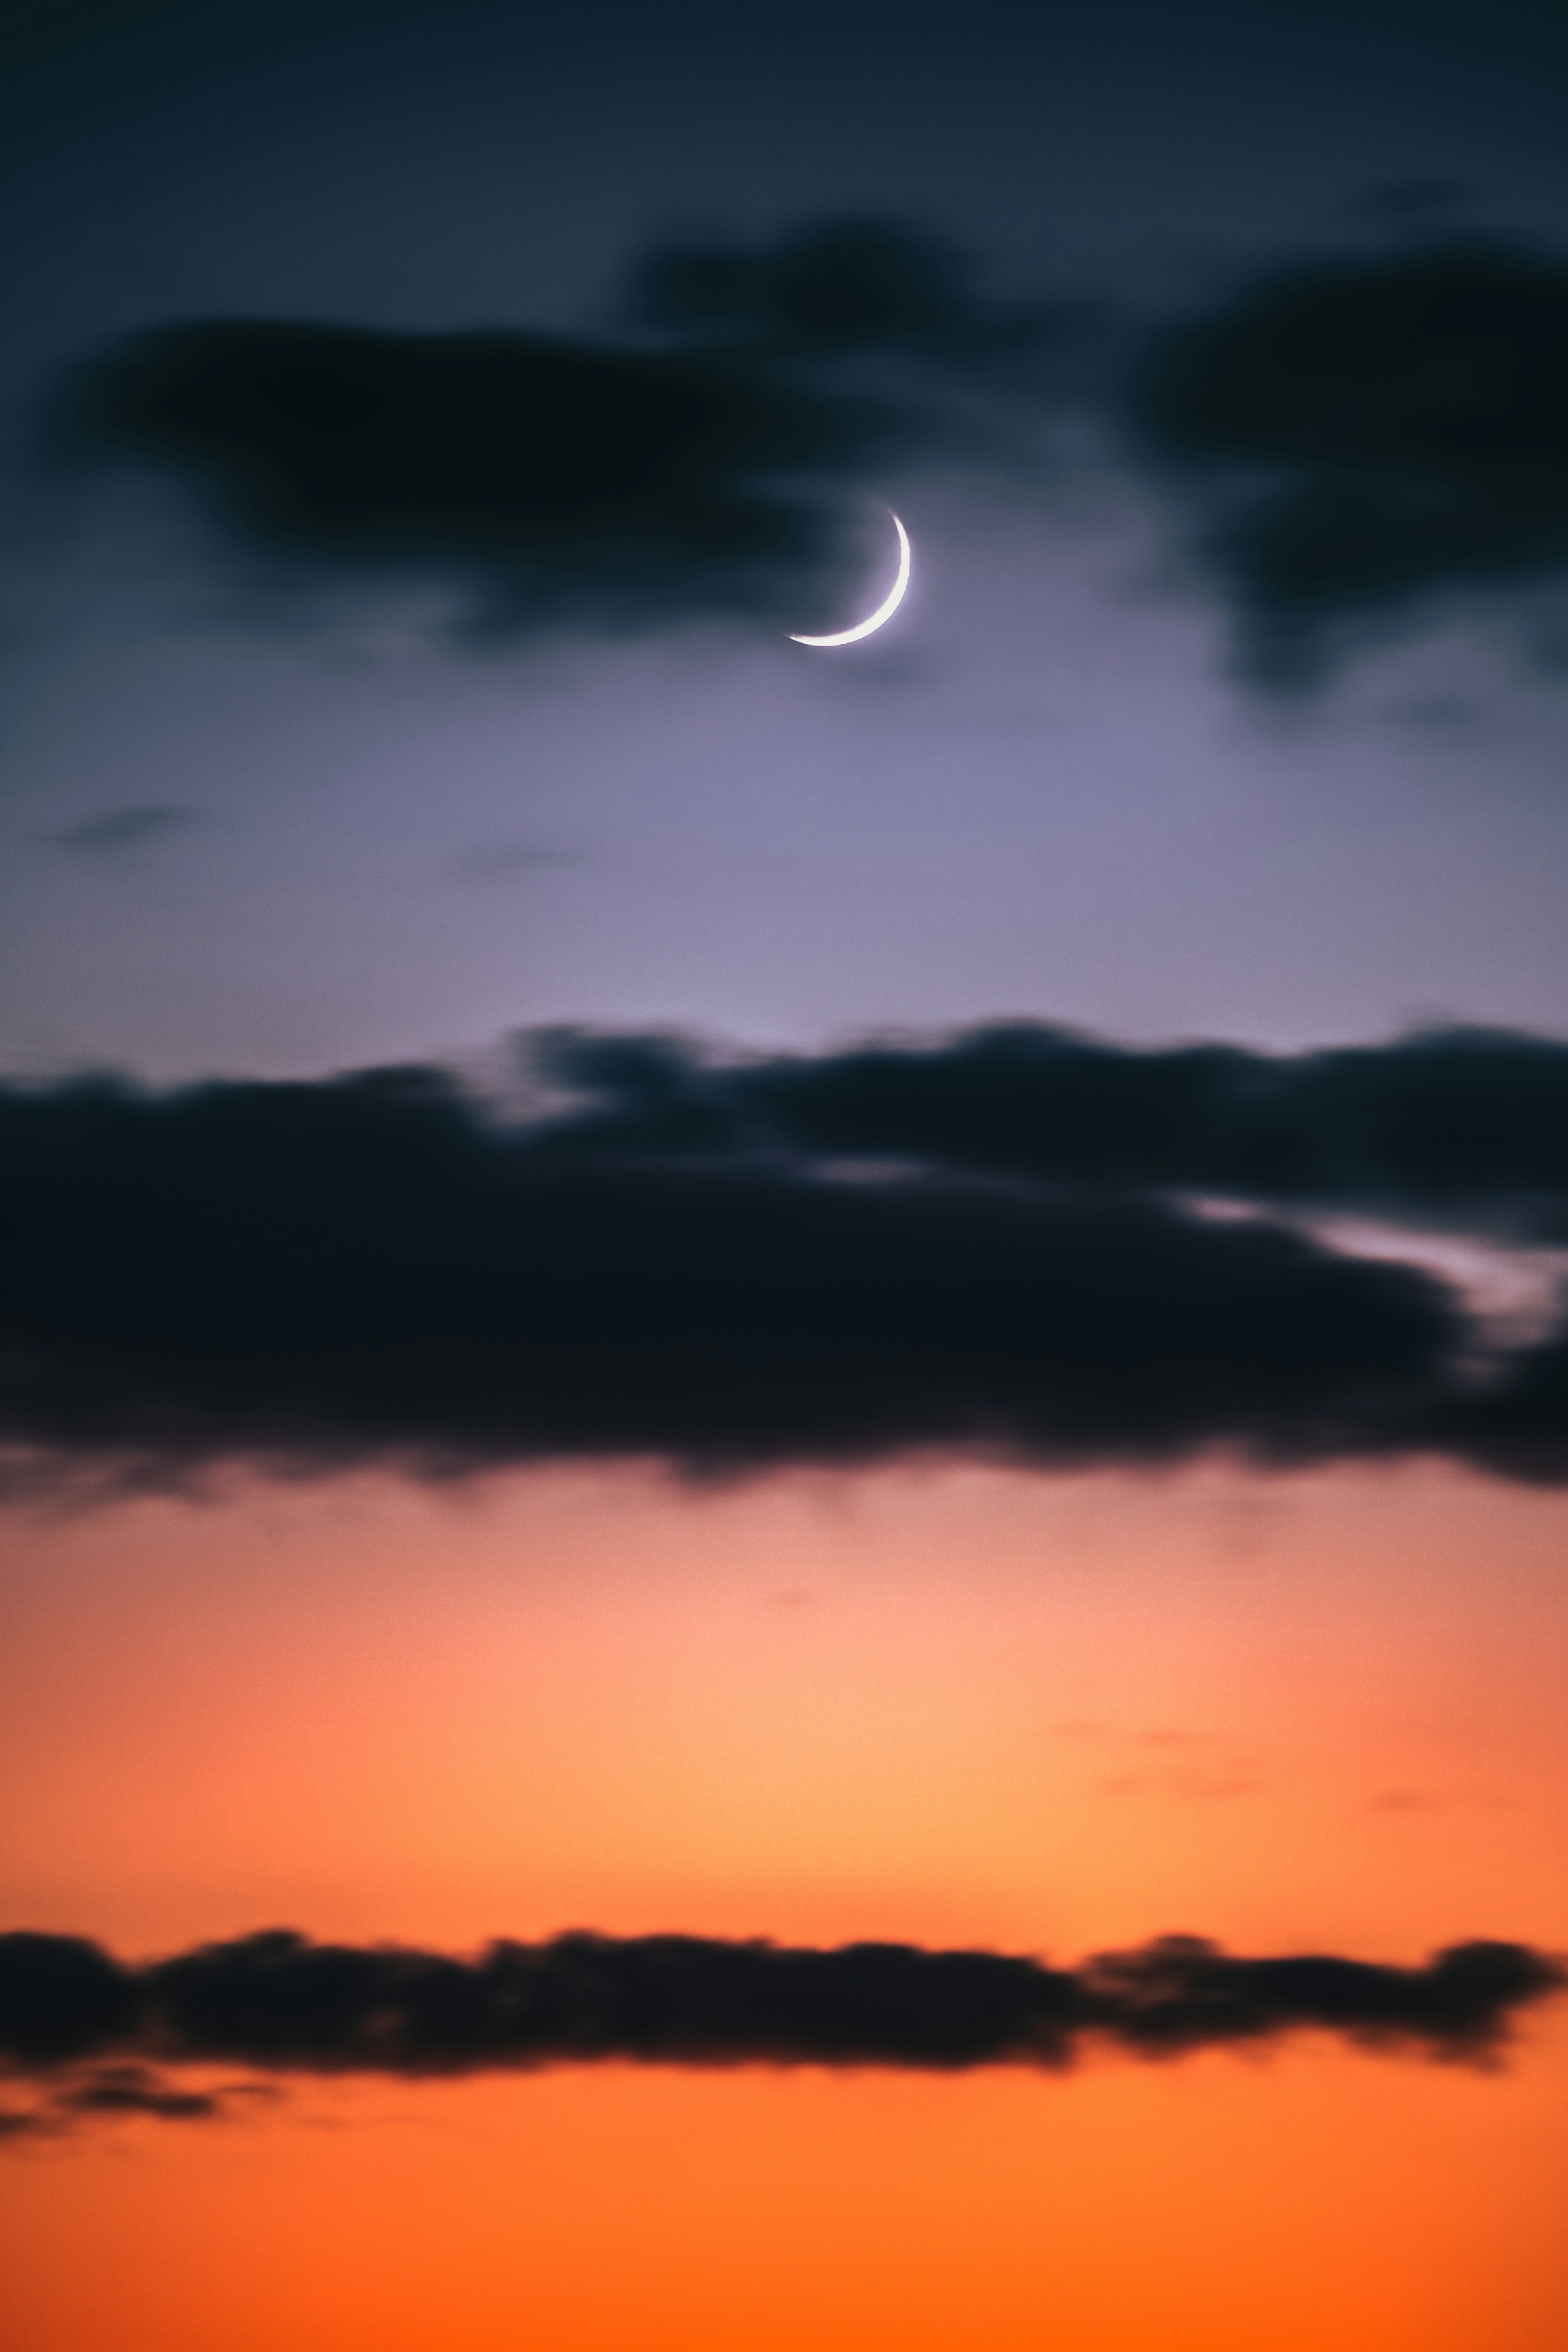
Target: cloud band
x,y
282,2004
997,1245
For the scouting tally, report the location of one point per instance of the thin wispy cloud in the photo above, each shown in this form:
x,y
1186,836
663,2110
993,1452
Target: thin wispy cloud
x,y
112,832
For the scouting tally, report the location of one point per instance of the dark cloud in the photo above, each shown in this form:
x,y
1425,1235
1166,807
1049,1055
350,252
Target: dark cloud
x,y
135,2091
61,1998
1002,1242
702,466
121,828
556,481
367,1266
1518,1426
107,2093
1461,1128
1358,437
1366,434
280,2003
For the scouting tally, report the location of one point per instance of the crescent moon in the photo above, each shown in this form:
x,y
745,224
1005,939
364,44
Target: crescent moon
x,y
884,611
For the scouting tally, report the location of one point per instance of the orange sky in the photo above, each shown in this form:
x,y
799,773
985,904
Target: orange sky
x,y
1322,1712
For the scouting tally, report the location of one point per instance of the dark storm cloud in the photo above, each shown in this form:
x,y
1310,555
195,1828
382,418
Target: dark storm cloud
x,y
1363,435
1457,1129
278,2002
366,1266
559,482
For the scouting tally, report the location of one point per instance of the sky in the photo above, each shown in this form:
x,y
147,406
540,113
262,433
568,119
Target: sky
x,y
784,1430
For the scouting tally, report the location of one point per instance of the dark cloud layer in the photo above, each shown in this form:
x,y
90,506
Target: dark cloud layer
x,y
1004,1241
1362,435
557,481
1458,1128
365,1266
1355,436
703,467
280,2003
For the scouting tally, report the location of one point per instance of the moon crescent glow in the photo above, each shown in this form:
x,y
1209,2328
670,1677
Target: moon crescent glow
x,y
884,611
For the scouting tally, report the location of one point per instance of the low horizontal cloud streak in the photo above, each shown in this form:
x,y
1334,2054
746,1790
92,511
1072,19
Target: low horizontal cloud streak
x,y
75,2017
106,2094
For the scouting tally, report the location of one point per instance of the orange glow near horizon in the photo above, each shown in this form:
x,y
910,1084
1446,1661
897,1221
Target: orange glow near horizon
x,y
1222,2206
946,1704
958,1706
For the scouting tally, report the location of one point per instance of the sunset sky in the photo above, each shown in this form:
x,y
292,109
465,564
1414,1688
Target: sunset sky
x,y
816,1399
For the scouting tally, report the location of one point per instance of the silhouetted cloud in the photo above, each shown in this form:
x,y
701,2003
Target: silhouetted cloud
x,y
1348,436
367,1266
1362,434
107,2094
1355,435
134,2091
280,2003
1457,1129
559,482
61,1998
1515,1427
702,466
1006,1241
